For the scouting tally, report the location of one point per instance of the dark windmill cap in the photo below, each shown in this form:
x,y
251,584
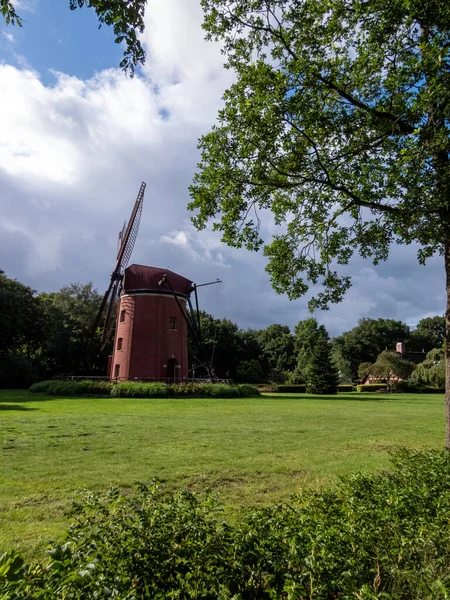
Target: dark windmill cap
x,y
139,278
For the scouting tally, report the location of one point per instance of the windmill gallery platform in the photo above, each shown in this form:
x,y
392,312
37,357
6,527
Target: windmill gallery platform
x,y
151,330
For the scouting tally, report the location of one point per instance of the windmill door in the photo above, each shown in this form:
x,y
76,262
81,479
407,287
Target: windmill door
x,y
172,369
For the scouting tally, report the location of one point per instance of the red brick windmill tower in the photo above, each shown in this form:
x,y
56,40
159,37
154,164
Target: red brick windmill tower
x,y
149,306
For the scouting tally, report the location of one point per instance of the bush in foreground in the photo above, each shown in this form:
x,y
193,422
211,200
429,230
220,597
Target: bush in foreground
x,y
374,537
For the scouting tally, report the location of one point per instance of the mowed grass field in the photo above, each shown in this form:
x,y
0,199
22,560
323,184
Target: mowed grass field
x,y
251,451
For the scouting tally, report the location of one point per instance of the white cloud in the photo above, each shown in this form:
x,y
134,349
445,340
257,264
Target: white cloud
x,y
203,248
8,36
73,154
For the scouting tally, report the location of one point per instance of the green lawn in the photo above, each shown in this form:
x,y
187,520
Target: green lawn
x,y
251,451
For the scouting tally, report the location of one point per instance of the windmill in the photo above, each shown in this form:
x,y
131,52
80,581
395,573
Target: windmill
x,y
150,307
127,239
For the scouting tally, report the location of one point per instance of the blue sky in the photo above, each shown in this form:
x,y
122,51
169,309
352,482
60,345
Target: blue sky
x,y
77,137
54,38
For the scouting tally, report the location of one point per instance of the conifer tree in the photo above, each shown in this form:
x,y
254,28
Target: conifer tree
x,y
321,373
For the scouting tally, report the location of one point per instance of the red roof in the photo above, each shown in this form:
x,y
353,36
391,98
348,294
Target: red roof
x,y
140,277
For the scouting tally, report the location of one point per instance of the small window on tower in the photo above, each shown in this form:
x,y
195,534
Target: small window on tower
x,y
122,316
172,323
119,343
116,371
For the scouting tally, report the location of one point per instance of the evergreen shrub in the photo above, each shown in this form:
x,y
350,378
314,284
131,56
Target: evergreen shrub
x,y
371,387
382,536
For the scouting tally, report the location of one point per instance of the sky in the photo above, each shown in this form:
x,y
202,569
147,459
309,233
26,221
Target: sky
x,y
77,137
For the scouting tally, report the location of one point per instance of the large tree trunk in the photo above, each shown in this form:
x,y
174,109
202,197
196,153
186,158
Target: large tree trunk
x,y
447,343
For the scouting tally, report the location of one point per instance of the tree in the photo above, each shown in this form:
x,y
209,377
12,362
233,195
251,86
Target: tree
x,y
125,16
21,318
368,339
338,124
308,335
22,332
429,334
222,346
342,364
70,314
389,364
249,371
321,374
364,369
277,349
432,370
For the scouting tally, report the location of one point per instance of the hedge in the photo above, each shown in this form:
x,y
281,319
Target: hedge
x,y
58,387
414,386
297,388
372,537
346,387
131,389
371,387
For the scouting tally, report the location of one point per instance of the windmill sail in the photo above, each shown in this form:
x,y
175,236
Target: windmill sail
x,y
127,239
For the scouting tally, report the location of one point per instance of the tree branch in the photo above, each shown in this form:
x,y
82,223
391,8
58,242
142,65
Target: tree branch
x,y
402,126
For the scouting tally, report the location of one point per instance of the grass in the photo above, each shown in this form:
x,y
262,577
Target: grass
x,y
251,451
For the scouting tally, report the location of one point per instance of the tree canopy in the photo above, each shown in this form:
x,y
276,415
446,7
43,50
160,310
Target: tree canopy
x,y
368,339
390,364
432,370
126,17
429,334
338,124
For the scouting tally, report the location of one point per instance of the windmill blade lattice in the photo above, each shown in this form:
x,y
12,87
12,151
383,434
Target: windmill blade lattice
x,y
127,239
111,314
130,235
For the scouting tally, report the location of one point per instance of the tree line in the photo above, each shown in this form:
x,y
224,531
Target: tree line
x,y
49,334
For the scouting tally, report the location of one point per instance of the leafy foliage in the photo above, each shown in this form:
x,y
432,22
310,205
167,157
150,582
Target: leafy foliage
x,y
338,124
295,388
389,365
429,334
432,370
249,371
370,387
277,349
368,339
56,387
69,314
374,537
364,369
345,388
131,389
